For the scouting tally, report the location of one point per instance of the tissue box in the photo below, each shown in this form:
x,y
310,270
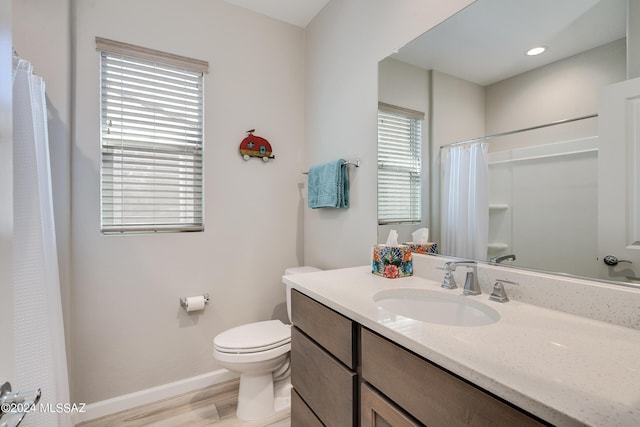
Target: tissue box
x,y
392,261
429,248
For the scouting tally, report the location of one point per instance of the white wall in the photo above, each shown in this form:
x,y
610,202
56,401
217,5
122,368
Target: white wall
x,y
343,46
128,330
403,85
633,38
564,89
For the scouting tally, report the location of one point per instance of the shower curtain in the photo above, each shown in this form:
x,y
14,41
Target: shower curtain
x,y
40,356
465,201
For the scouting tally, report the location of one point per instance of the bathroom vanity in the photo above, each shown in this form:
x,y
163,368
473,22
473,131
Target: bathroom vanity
x,y
324,346
357,362
324,359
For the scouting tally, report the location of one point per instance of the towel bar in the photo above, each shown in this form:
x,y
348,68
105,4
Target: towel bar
x,y
355,163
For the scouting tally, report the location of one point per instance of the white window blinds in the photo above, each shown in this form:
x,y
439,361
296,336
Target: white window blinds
x,y
399,165
151,139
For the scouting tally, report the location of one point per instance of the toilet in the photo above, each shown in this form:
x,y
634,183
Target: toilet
x,y
259,352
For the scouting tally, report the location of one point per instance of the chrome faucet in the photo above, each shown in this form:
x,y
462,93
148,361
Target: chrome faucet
x,y
499,294
500,259
471,286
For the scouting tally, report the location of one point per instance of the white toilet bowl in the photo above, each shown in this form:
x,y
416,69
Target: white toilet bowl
x,y
255,351
259,352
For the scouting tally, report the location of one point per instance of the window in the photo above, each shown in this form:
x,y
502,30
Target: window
x,y
399,165
151,140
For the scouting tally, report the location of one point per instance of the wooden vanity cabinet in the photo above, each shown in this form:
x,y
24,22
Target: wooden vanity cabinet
x,y
433,396
386,386
323,362
378,411
301,414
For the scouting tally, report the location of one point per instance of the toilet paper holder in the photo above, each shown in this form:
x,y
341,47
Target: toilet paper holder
x,y
183,300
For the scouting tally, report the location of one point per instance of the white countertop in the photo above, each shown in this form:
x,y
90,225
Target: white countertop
x,y
566,369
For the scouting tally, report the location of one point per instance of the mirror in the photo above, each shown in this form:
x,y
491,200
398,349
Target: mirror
x,y
471,77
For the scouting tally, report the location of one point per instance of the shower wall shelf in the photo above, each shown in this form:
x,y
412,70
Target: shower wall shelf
x,y
497,246
498,206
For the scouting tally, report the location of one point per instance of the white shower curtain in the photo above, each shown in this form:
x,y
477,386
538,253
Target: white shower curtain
x,y
465,201
40,357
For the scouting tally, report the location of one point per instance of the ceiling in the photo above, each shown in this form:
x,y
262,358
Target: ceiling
x,y
486,42
296,12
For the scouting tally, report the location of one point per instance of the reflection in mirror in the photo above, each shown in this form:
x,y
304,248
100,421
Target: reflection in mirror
x,y
472,78
541,199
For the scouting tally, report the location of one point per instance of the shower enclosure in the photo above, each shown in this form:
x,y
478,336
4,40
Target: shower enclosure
x,y
541,196
39,344
543,206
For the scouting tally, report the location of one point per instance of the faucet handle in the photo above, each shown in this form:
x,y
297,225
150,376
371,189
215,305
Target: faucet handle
x,y
449,282
499,294
471,286
446,266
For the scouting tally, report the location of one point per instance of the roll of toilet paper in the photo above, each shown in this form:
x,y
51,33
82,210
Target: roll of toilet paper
x,y
195,303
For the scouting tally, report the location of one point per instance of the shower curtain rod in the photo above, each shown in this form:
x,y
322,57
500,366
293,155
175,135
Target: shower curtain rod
x,y
511,132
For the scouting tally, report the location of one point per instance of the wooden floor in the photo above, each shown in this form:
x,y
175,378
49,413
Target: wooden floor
x,y
212,406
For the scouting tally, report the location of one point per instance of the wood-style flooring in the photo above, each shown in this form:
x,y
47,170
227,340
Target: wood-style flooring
x,y
211,406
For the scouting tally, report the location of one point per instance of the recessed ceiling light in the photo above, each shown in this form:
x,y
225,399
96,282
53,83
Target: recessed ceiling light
x,y
536,51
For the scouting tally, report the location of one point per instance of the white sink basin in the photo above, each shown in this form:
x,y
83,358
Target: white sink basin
x,y
436,307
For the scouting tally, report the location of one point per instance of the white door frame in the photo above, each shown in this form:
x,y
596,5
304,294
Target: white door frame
x,y
618,180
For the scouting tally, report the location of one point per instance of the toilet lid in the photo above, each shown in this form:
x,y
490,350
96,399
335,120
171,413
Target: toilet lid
x,y
253,337
300,270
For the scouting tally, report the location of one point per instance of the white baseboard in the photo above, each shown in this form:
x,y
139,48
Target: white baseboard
x,y
150,395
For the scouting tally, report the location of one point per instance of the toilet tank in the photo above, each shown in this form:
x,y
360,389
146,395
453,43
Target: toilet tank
x,y
299,270
291,271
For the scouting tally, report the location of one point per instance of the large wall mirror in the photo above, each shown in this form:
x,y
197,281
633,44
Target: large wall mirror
x,y
527,126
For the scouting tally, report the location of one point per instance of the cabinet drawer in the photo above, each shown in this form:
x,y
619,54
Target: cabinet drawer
x,y
377,411
327,386
331,330
301,414
429,393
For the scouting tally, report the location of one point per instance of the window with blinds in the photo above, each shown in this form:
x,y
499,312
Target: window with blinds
x,y
399,165
151,140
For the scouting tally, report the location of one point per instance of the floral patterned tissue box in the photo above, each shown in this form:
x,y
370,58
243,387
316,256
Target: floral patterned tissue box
x,y
392,261
417,248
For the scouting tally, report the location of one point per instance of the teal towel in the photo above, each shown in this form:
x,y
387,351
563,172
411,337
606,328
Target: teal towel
x,y
328,185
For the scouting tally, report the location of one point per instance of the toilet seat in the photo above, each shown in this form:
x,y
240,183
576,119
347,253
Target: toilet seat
x,y
253,338
246,358
251,349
